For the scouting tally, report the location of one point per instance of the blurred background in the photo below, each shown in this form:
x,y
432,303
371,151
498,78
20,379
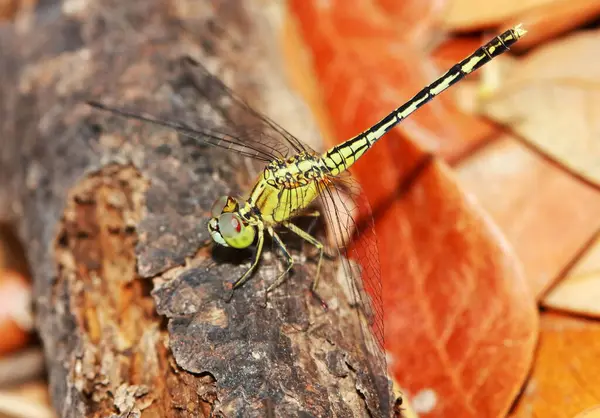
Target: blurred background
x,y
487,200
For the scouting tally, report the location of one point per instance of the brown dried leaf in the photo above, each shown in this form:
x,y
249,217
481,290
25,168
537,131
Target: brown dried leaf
x,y
579,291
525,195
15,314
593,412
551,20
461,324
474,14
553,101
8,8
566,374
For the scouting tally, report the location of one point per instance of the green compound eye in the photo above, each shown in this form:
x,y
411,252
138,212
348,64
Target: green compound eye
x,y
229,225
234,232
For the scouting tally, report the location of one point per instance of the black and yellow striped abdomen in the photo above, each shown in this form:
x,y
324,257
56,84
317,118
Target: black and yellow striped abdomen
x,y
341,157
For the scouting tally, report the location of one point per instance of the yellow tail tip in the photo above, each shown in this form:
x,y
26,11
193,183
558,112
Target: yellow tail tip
x,y
519,30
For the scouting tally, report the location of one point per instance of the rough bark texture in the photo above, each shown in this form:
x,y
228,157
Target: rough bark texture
x,y
135,316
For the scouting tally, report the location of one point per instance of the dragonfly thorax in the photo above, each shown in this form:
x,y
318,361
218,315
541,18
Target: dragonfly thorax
x,y
227,226
296,171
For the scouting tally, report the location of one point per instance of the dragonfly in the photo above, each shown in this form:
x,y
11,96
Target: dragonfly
x,y
295,175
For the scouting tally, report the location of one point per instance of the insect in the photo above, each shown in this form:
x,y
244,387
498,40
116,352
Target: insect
x,y
295,175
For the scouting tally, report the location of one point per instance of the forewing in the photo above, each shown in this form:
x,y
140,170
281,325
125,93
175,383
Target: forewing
x,y
242,130
251,126
207,136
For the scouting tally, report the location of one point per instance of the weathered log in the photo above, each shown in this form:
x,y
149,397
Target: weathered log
x,y
135,317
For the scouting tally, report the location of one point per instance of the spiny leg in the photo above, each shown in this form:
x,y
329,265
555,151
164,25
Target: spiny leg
x,y
312,240
315,214
257,254
312,213
288,259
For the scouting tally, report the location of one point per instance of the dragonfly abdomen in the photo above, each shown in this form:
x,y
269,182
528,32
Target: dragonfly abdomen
x,y
341,157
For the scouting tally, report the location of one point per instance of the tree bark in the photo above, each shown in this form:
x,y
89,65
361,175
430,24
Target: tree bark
x,y
135,316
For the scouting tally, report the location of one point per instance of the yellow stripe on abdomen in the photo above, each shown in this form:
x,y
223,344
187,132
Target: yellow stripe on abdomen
x,y
341,157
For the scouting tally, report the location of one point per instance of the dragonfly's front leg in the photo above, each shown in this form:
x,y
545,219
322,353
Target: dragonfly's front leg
x,y
288,259
257,254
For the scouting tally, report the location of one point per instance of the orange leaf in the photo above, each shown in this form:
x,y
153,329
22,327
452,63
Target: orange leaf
x,y
360,43
469,15
461,324
550,20
453,50
566,374
15,296
8,8
454,298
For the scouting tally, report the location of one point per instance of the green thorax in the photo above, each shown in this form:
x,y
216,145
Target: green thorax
x,y
285,187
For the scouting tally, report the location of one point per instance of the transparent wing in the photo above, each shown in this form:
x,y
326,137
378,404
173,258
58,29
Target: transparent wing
x,y
351,225
250,126
243,130
352,228
208,136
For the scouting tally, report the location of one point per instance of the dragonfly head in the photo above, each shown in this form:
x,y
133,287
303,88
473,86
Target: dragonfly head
x,y
227,227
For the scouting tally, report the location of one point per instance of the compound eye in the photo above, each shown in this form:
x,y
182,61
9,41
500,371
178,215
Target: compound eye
x,y
230,225
218,206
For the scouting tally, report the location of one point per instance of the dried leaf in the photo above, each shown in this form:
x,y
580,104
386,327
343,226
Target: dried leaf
x,y
470,15
525,195
8,8
553,19
553,101
460,317
476,87
355,39
460,321
18,406
593,412
453,50
418,17
579,291
11,9
566,375
15,314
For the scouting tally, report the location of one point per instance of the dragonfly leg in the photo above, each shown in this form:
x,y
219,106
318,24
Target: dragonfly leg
x,y
257,254
315,215
288,259
312,240
312,214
